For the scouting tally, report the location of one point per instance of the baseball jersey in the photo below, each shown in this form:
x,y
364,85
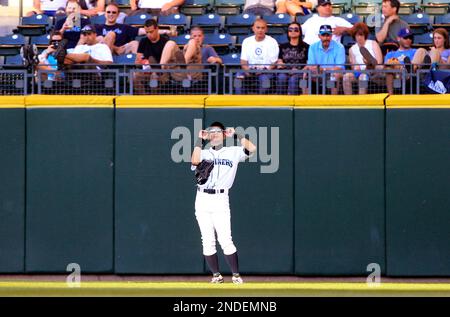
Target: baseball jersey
x,y
226,161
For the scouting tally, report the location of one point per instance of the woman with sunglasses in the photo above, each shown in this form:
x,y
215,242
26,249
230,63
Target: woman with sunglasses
x,y
293,55
70,26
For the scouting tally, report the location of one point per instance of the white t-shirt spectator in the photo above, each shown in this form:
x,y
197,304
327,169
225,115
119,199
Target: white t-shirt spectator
x,y
52,5
311,27
98,51
152,4
359,59
260,52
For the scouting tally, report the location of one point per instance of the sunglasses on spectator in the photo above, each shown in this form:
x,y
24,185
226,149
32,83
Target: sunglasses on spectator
x,y
111,12
408,38
293,29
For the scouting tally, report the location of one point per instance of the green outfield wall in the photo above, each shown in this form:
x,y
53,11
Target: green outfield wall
x,y
338,183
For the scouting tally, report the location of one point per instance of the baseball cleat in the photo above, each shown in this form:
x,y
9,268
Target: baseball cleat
x,y
217,279
237,279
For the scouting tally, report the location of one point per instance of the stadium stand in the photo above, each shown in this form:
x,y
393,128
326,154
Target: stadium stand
x,y
34,25
210,23
229,7
196,7
239,24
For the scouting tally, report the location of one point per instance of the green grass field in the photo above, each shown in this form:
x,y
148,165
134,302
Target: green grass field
x,y
180,289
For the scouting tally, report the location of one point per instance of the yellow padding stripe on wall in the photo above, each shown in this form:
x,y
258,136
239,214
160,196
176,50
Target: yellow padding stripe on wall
x,y
12,102
418,101
164,101
249,101
69,101
375,101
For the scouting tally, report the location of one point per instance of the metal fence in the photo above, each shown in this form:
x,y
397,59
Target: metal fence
x,y
91,81
175,79
210,79
13,82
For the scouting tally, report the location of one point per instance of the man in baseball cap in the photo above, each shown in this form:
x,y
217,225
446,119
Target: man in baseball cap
x,y
325,29
89,50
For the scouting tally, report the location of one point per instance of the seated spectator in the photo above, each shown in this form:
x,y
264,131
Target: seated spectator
x,y
120,38
155,7
397,59
259,51
294,52
156,51
208,53
324,17
363,54
387,34
295,7
47,58
327,55
88,51
47,7
259,7
72,24
92,8
438,53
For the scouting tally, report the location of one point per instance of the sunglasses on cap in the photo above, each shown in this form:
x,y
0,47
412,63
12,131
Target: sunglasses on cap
x,y
293,29
87,32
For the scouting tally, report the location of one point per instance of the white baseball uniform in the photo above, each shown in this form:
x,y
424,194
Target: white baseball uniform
x,y
212,208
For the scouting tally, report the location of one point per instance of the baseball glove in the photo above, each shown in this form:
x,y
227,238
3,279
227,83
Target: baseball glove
x,y
203,170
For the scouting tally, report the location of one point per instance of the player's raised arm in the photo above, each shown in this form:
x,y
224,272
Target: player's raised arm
x,y
246,143
196,154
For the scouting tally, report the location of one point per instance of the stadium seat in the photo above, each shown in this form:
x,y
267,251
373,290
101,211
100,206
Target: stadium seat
x,y
179,20
407,7
98,19
366,7
124,59
278,23
11,44
15,60
280,38
239,24
123,4
231,58
419,22
442,21
210,23
34,25
423,40
302,18
222,43
229,7
137,20
352,18
347,41
436,7
196,7
341,6
40,41
181,39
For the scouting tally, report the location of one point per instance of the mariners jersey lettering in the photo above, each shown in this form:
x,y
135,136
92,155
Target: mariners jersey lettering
x,y
226,161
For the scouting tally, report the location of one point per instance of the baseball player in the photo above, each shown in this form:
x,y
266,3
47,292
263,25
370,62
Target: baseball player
x,y
212,208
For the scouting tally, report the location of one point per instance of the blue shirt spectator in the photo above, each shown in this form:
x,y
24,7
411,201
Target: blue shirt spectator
x,y
400,55
333,55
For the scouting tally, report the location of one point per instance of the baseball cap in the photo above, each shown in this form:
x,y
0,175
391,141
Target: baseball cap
x,y
325,29
405,33
323,2
88,28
